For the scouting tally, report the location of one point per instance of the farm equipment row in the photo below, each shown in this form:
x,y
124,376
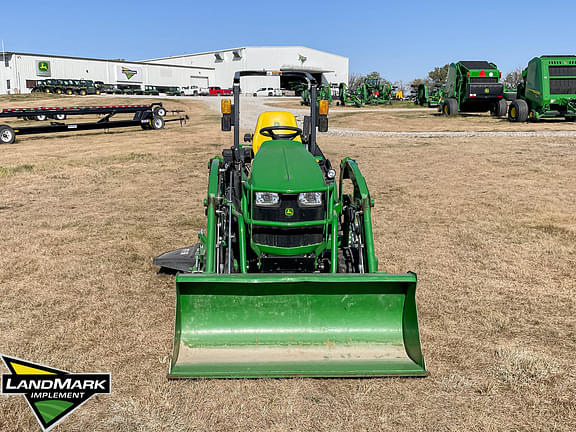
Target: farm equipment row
x,y
146,116
547,90
89,87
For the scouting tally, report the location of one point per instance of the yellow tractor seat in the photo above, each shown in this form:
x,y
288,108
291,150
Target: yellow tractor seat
x,y
272,118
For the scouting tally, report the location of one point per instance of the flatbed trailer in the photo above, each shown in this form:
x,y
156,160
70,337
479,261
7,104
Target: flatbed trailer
x,y
146,116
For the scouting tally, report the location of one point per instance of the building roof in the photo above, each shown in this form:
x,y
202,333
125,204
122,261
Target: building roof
x,y
236,49
108,60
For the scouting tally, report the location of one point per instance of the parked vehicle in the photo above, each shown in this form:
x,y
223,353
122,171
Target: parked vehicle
x,y
174,91
109,88
151,90
217,91
267,91
194,90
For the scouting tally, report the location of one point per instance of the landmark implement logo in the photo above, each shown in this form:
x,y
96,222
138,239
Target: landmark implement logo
x,y
129,72
52,394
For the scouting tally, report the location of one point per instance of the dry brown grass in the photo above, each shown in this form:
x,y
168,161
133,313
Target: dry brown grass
x,y
431,120
489,225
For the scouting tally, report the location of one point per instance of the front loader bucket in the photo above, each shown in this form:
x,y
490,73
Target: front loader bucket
x,y
284,325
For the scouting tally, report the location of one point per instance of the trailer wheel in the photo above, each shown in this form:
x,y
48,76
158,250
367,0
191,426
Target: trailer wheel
x,y
499,108
7,135
156,123
60,117
41,117
518,111
160,111
450,107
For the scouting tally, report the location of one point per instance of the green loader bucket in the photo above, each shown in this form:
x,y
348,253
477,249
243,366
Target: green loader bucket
x,y
286,325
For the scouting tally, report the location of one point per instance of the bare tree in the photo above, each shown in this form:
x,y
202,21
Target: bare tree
x,y
354,81
512,79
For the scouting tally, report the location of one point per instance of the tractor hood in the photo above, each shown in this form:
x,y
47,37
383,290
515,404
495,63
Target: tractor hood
x,y
285,166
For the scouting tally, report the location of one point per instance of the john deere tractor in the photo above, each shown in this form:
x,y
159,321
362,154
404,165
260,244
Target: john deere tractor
x,y
547,90
284,280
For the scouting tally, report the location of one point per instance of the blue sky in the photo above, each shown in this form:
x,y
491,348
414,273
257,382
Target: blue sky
x,y
401,40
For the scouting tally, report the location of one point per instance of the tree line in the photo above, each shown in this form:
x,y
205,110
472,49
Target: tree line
x,y
435,78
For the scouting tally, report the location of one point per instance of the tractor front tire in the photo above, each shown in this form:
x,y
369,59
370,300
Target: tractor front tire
x,y
7,135
533,116
518,111
82,92
499,109
450,107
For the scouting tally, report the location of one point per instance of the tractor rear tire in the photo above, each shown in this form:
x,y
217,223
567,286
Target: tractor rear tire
x,y
7,135
518,111
569,119
499,109
156,123
450,107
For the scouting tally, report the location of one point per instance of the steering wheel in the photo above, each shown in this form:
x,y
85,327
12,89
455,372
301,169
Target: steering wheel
x,y
269,132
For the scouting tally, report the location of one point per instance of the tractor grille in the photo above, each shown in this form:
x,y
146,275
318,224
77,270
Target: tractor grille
x,y
482,80
562,71
563,86
288,237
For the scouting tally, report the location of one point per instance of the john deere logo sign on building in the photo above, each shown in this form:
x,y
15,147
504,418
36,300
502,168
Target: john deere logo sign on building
x,y
129,74
52,394
43,68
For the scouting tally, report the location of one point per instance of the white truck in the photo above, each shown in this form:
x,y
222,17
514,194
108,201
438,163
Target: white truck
x,y
267,91
194,90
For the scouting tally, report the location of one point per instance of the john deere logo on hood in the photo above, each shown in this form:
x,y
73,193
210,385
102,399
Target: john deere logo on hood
x,y
52,394
129,72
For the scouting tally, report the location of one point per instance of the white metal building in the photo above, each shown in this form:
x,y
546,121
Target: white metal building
x,y
326,67
20,71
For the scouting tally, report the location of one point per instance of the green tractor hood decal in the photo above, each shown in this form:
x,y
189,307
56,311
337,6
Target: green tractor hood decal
x,y
286,166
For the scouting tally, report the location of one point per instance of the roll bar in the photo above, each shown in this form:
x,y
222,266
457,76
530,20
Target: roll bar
x,y
298,74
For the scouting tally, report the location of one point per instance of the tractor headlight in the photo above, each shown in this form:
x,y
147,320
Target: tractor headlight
x,y
266,199
310,199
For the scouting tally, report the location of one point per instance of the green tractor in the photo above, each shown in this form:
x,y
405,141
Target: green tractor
x,y
547,90
376,91
473,86
347,97
284,280
324,92
426,96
